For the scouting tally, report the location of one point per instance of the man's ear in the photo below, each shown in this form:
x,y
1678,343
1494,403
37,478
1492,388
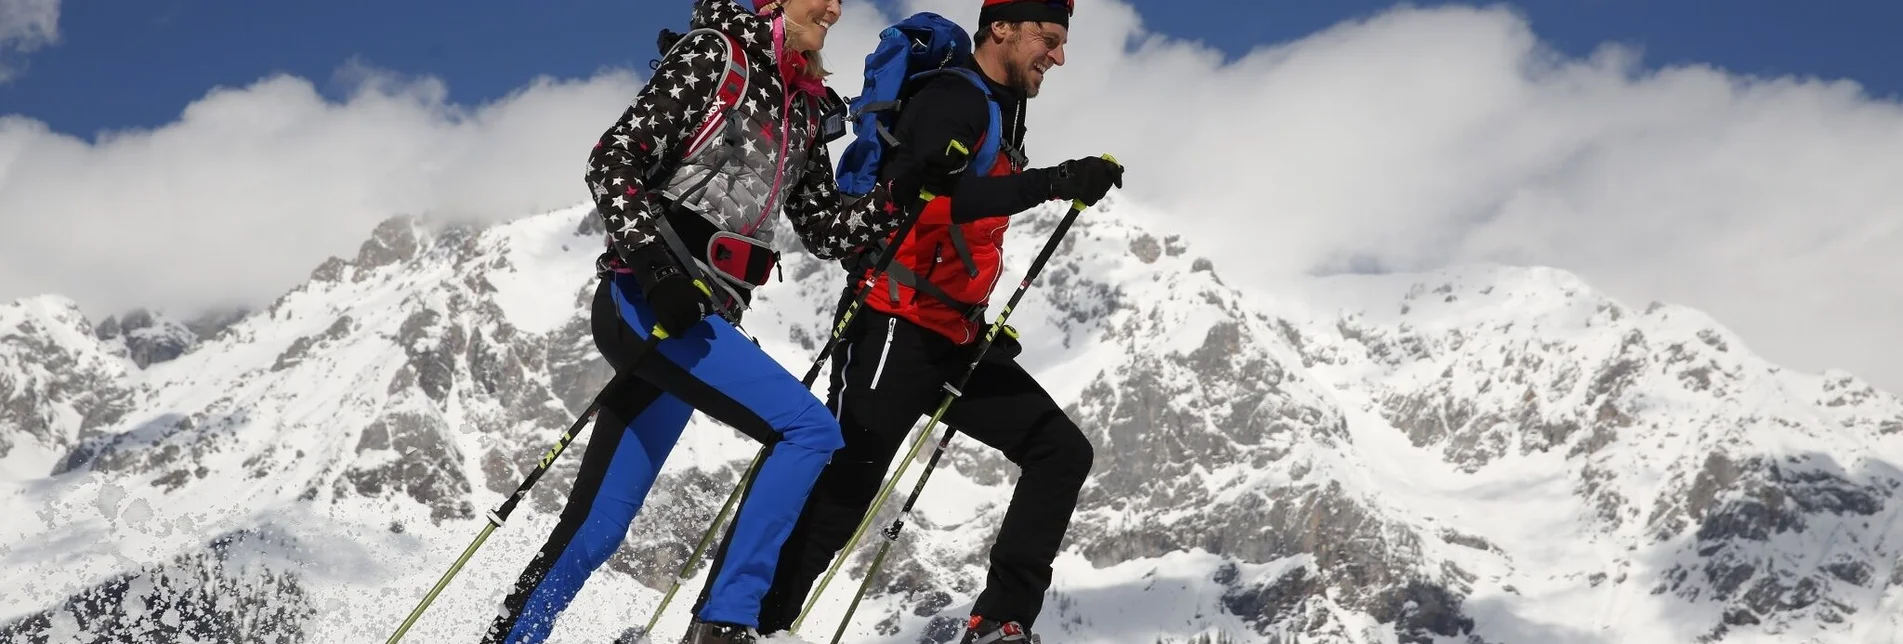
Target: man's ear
x,y
997,32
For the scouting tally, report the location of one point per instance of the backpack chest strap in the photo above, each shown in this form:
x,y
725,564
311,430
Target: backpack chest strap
x,y
897,274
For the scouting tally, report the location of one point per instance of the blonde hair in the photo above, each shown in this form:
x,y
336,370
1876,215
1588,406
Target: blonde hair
x,y
815,66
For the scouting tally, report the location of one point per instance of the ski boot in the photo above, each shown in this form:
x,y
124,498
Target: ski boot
x,y
983,631
716,633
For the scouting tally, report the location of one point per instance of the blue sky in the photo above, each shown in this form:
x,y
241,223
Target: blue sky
x,y
1411,143
126,64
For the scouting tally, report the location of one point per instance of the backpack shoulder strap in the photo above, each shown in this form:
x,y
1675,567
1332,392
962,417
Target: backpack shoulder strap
x,y
728,91
987,153
979,163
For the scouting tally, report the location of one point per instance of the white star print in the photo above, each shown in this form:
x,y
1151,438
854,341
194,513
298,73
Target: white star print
x,y
676,101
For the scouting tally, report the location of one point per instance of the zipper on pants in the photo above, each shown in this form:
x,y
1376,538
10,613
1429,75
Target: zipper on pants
x,y
891,325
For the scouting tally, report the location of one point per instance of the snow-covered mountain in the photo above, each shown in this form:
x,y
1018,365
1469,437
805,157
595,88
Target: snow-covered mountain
x,y
1484,454
57,383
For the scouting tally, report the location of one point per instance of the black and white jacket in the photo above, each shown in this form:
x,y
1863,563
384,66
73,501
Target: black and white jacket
x,y
767,157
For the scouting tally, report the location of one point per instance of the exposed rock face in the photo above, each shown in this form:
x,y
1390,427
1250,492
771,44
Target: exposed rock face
x,y
58,383
148,339
1431,461
413,453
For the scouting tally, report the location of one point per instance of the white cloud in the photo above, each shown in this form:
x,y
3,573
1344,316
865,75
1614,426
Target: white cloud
x,y
25,26
1420,138
251,188
1413,139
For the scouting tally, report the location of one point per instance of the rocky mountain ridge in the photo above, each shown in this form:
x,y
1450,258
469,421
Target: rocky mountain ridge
x,y
1483,454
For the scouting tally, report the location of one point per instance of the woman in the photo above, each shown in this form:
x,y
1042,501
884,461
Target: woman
x,y
726,132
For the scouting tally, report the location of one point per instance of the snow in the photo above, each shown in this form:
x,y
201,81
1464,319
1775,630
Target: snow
x,y
950,498
47,352
546,264
274,443
28,461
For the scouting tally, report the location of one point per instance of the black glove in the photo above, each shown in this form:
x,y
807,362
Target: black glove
x,y
679,303
1086,179
678,300
1005,347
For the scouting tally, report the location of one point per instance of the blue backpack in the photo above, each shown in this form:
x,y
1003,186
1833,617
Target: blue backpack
x,y
910,51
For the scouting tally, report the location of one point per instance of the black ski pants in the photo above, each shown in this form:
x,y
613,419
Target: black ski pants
x,y
887,373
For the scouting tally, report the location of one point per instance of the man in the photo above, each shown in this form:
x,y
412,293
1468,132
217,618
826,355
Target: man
x,y
923,316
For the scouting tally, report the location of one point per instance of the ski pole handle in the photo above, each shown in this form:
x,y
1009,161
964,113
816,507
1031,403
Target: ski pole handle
x,y
1078,204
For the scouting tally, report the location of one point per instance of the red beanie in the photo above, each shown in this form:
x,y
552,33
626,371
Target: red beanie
x,y
1054,11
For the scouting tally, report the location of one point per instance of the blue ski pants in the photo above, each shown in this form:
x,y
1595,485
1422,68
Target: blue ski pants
x,y
711,368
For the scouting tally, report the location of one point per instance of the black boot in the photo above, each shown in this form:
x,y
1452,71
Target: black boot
x,y
716,633
983,631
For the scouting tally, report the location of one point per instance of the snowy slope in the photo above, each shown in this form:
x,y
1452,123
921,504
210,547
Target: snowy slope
x,y
57,383
1488,454
1641,474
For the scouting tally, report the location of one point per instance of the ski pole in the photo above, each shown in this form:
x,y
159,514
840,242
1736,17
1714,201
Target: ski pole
x,y
693,559
812,375
952,392
501,514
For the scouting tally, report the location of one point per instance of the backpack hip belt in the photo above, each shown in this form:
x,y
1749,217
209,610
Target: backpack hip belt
x,y
744,261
